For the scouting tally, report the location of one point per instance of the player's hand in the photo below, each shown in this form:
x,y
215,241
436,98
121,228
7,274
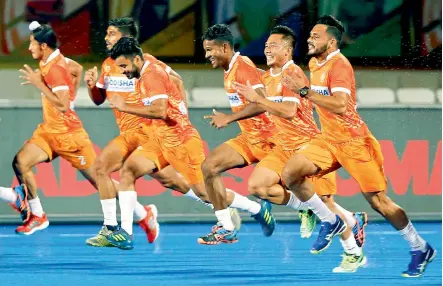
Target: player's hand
x,y
247,91
293,81
30,76
117,102
91,77
218,119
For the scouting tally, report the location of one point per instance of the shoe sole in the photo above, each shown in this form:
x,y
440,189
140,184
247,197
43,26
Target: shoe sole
x,y
342,270
421,274
201,241
37,228
155,214
306,234
362,228
329,244
98,243
236,219
25,200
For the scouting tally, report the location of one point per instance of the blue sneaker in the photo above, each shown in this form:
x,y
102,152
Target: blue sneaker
x,y
219,235
419,261
327,233
21,204
265,218
359,228
121,239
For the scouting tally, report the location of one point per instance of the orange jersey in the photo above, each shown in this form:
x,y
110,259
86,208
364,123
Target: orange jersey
x,y
117,83
336,74
241,69
301,128
154,84
57,77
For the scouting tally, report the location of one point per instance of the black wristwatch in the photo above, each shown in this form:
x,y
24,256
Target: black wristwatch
x,y
304,91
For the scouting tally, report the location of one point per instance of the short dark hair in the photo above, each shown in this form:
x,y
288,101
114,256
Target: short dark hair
x,y
287,33
45,35
219,33
128,47
126,26
335,27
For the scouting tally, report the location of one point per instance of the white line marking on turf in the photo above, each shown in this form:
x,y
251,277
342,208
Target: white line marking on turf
x,y
388,233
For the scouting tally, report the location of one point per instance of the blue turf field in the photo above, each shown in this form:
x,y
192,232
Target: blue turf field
x,y
58,256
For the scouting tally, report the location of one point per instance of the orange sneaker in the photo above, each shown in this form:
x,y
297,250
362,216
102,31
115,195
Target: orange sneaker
x,y
149,224
33,224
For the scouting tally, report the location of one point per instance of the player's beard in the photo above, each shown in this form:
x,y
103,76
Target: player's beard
x,y
135,73
319,51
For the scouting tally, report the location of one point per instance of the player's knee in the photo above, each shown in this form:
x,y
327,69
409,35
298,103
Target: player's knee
x,y
256,188
100,167
296,170
20,164
209,167
379,202
127,174
291,176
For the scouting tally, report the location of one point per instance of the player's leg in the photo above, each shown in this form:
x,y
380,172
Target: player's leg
x,y
364,162
310,159
30,155
232,154
353,256
144,161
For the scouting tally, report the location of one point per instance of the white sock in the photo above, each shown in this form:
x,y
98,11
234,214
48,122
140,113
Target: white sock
x,y
243,203
127,201
109,208
415,241
36,207
349,217
320,209
139,212
192,195
350,246
8,195
295,203
224,217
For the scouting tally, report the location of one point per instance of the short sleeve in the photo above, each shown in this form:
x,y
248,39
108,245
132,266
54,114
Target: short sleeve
x,y
341,77
246,72
155,85
58,78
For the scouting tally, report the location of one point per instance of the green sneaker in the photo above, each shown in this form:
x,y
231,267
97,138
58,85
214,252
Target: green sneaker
x,y
308,222
100,239
236,219
350,263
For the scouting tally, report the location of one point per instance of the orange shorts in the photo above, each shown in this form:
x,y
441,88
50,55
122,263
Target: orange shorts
x,y
185,158
252,153
277,159
361,157
129,141
75,147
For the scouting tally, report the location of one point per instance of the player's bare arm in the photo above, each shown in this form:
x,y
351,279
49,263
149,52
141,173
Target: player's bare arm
x,y
97,95
157,109
221,120
59,98
283,109
76,70
335,104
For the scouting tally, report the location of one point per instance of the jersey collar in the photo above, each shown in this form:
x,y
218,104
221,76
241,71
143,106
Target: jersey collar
x,y
330,56
52,56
